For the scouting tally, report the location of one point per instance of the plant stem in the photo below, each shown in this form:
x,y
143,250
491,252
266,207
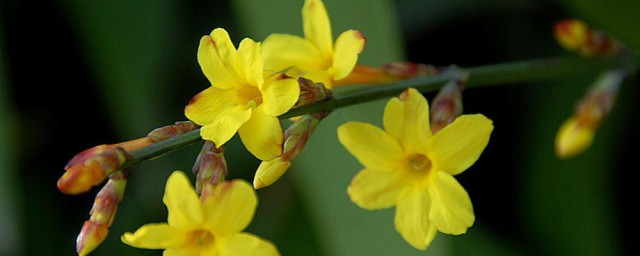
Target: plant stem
x,y
483,76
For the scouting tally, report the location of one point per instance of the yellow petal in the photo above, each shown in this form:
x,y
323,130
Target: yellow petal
x,y
458,145
229,207
573,138
217,56
374,190
279,94
373,147
412,219
282,51
208,105
269,172
348,45
317,28
249,52
451,209
218,112
153,236
262,135
182,202
223,129
246,244
406,118
393,118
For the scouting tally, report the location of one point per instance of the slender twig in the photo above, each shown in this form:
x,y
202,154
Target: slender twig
x,y
482,76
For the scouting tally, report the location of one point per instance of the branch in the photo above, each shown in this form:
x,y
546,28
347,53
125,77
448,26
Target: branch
x,y
483,76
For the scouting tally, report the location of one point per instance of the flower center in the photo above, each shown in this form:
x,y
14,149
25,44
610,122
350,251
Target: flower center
x,y
248,95
420,163
200,239
418,169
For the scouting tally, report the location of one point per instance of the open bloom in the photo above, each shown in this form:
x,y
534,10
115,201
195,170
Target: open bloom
x,y
210,226
407,166
315,56
242,98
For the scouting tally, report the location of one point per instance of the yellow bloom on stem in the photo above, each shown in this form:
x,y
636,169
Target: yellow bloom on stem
x,y
242,98
211,225
407,166
315,56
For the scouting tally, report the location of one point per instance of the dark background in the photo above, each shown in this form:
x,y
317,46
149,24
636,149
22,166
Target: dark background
x,y
75,74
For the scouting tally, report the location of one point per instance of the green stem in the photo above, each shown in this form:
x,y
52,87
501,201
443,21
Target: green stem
x,y
524,71
483,76
162,147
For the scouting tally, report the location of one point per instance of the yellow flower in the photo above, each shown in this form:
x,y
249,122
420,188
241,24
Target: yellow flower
x,y
407,166
315,56
242,98
211,226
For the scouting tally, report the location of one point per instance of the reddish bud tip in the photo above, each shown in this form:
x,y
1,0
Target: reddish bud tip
x,y
91,235
80,178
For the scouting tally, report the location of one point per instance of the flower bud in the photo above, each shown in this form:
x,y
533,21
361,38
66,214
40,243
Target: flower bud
x,y
447,105
311,92
576,36
388,73
269,172
103,212
210,166
295,138
91,167
576,133
170,131
91,235
107,200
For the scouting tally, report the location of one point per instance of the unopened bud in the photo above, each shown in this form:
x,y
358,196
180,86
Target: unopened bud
x,y
91,235
576,36
91,167
170,131
210,166
107,200
447,105
103,212
388,73
576,134
311,92
295,138
269,172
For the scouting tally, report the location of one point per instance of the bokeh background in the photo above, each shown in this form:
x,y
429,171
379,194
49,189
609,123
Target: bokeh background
x,y
74,74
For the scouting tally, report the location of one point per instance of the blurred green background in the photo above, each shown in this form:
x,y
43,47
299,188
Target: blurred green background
x,y
74,74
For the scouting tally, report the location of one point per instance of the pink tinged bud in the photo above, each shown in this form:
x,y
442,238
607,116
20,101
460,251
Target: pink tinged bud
x,y
576,134
170,131
107,201
91,235
576,36
447,105
311,92
388,73
210,166
298,133
103,212
405,70
91,167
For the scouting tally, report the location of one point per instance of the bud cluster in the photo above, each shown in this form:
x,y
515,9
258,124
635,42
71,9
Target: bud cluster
x,y
210,166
